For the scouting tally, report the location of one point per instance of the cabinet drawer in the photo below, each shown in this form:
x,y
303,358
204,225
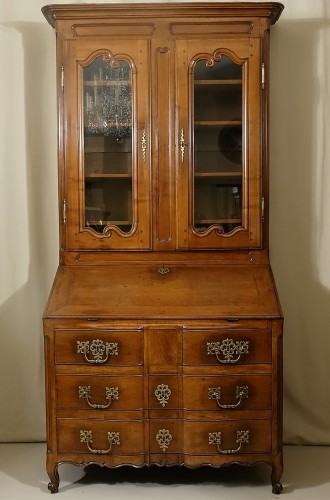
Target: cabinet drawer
x,y
101,437
99,348
227,437
227,347
241,392
99,393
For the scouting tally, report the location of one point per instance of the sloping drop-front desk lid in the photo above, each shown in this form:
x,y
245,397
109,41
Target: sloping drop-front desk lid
x,y
148,290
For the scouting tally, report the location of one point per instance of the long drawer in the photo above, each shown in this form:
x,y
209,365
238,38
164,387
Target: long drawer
x,y
217,437
99,392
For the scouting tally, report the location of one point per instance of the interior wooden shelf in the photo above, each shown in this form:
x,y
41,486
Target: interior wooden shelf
x,y
218,174
108,176
218,82
105,151
218,221
106,83
214,123
109,223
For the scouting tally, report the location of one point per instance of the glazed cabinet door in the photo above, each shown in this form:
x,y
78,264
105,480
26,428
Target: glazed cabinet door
x,y
106,200
219,160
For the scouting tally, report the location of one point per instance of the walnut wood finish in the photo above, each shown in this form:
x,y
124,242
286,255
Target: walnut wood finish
x,y
163,369
139,291
163,344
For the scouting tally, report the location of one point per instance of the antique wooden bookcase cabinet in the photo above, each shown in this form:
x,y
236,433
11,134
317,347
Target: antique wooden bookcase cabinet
x,y
163,329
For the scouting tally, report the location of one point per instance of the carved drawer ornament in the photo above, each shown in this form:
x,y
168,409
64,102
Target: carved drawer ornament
x,y
164,439
111,393
98,349
241,438
87,437
228,351
242,391
163,393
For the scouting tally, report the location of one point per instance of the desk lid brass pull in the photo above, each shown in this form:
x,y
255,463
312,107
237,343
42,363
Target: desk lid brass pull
x,y
163,270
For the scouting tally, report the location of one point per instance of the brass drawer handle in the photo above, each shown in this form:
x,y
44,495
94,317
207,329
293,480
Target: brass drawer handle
x,y
87,437
228,351
98,349
163,394
111,393
241,437
164,439
241,393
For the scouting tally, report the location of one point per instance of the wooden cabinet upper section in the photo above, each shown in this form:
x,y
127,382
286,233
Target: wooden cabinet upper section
x,y
163,125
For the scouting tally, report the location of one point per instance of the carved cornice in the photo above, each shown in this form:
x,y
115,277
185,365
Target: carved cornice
x,y
271,10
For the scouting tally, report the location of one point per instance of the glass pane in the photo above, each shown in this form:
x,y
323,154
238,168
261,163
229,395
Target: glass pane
x,y
108,144
218,161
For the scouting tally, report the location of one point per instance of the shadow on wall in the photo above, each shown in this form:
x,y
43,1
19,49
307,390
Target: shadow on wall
x,y
300,154
21,371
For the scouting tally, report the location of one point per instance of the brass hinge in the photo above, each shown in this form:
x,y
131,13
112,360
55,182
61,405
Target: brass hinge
x,y
263,76
262,209
62,78
64,211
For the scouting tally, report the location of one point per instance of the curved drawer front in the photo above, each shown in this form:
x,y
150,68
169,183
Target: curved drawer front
x,y
99,392
241,392
100,437
227,437
227,347
99,347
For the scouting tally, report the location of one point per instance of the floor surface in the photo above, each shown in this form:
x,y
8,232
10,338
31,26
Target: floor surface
x,y
23,476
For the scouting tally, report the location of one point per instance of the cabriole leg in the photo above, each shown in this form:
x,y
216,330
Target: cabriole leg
x,y
276,476
52,471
